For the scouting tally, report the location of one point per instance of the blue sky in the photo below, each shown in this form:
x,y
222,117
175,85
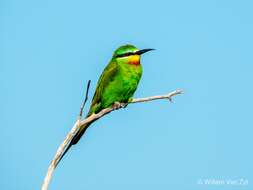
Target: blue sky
x,y
48,51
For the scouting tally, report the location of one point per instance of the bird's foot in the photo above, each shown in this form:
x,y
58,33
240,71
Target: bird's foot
x,y
118,105
124,105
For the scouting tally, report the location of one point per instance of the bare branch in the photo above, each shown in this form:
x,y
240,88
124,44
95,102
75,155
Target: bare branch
x,y
166,96
91,119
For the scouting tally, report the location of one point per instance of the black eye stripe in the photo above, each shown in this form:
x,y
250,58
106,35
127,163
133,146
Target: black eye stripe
x,y
125,54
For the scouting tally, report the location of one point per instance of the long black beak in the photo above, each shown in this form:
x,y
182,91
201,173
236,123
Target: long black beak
x,y
143,51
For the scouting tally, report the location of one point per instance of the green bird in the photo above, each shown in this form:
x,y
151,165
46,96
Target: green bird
x,y
117,83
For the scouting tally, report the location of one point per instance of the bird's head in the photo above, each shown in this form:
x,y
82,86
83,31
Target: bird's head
x,y
129,54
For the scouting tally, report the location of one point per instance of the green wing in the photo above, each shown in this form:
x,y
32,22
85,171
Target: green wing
x,y
106,77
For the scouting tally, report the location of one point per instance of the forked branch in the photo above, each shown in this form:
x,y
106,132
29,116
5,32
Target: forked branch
x,y
91,119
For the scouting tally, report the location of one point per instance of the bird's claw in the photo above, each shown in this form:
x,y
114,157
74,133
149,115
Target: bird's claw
x,y
118,105
124,105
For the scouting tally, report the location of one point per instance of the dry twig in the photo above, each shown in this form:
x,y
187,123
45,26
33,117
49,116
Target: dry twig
x,y
91,119
85,100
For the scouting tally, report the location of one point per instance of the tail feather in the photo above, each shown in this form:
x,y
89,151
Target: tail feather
x,y
74,141
79,134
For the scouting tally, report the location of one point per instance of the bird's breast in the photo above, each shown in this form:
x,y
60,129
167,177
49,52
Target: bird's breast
x,y
131,74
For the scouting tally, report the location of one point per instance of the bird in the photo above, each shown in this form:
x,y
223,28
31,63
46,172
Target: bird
x,y
116,84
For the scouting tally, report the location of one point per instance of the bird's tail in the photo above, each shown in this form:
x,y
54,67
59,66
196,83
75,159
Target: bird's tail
x,y
75,140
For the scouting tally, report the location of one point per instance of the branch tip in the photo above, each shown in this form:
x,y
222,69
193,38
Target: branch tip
x,y
85,100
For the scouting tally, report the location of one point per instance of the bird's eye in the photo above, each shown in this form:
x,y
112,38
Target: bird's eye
x,y
129,53
125,54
